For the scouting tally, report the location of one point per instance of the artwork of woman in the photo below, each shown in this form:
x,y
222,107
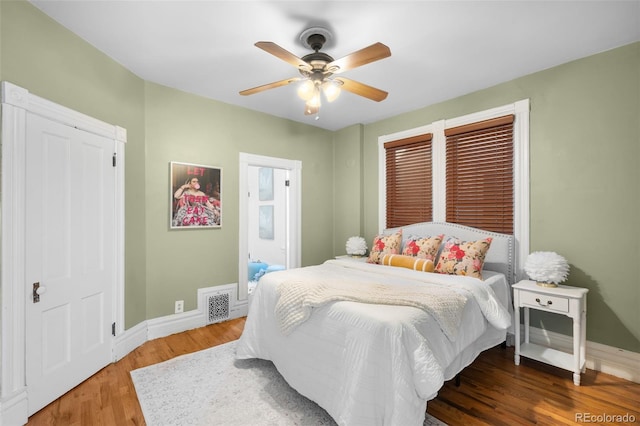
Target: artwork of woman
x,y
193,207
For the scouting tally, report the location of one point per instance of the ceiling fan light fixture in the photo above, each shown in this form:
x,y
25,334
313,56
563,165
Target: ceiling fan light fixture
x,y
306,90
314,101
331,89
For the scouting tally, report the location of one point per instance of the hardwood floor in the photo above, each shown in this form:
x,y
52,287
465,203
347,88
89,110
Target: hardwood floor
x,y
108,398
493,390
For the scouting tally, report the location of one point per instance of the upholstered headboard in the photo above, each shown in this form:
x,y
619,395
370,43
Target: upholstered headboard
x,y
499,258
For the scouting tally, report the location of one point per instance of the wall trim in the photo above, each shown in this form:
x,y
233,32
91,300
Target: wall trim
x,y
15,409
155,328
606,359
128,340
163,326
175,323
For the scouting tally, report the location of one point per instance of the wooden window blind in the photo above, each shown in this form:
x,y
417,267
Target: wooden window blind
x,y
409,180
479,174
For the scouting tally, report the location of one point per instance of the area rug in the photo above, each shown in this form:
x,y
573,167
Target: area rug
x,y
211,387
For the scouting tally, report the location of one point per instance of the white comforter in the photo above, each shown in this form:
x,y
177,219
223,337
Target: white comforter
x,y
310,290
373,364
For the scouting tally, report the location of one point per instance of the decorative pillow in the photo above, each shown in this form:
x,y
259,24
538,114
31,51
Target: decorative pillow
x,y
424,248
274,268
463,257
410,262
385,244
256,270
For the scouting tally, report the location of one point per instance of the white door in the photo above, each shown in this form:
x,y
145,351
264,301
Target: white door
x,y
70,252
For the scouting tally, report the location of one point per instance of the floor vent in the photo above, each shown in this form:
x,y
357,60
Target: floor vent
x,y
218,307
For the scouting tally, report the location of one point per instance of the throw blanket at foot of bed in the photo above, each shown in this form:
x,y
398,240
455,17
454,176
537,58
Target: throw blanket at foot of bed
x,y
298,298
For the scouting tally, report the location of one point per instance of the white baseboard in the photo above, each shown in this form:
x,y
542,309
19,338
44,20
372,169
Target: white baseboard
x,y
14,409
129,340
174,323
240,310
603,358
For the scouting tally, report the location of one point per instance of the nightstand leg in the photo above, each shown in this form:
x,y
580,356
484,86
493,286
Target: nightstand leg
x,y
526,325
583,341
578,349
516,328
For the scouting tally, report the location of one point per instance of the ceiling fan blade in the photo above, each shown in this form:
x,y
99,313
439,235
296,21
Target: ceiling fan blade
x,y
269,86
362,89
283,54
310,110
373,53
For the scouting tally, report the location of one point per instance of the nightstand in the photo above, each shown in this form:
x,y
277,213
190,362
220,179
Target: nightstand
x,y
564,300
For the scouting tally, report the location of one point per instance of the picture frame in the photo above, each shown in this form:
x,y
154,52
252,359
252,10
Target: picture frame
x,y
265,184
195,196
265,230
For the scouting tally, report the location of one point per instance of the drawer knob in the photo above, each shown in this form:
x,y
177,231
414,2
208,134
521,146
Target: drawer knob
x,y
549,302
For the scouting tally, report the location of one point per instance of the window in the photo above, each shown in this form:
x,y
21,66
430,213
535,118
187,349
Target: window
x,y
479,174
409,183
447,203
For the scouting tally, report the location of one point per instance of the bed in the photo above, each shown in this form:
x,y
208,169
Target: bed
x,y
378,362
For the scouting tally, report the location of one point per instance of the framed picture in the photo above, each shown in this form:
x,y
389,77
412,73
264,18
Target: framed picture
x,y
196,197
265,224
265,184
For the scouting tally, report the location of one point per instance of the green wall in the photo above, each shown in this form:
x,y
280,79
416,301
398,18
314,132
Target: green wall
x,y
187,128
584,179
585,184
348,191
42,56
166,125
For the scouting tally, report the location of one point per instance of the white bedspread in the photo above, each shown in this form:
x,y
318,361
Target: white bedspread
x,y
369,364
299,296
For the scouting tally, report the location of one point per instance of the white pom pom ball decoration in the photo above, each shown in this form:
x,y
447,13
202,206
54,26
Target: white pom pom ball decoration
x,y
356,246
546,267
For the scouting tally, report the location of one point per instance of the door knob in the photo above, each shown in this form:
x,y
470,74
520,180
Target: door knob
x,y
37,291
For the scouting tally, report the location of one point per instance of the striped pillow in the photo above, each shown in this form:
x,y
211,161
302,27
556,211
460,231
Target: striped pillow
x,y
410,262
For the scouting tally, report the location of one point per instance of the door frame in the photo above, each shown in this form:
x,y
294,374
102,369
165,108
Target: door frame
x,y
294,209
16,103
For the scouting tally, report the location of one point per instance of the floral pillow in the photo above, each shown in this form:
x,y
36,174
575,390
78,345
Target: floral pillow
x,y
424,248
463,257
385,244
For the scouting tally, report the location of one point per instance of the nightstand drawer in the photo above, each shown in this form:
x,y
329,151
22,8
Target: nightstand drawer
x,y
542,301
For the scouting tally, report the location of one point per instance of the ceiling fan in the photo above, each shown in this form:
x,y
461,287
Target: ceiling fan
x,y
318,70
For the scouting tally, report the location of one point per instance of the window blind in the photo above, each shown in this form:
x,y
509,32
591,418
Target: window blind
x,y
479,174
409,180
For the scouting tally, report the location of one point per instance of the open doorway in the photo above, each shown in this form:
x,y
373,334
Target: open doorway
x,y
269,223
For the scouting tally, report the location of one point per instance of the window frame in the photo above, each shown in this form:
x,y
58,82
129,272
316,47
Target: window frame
x,y
521,169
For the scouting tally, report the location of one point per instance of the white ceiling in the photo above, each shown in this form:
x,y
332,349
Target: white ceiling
x,y
439,49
